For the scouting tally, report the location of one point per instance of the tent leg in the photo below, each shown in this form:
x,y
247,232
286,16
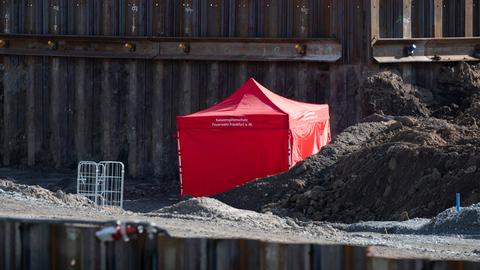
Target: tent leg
x,y
180,163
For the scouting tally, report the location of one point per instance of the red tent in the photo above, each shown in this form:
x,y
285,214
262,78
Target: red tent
x,y
251,134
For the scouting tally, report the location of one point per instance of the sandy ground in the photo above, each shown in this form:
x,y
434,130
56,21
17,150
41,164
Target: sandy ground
x,y
206,217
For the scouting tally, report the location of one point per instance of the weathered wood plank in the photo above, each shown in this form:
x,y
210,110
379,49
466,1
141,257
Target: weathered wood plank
x,y
357,30
374,19
407,33
82,85
428,50
58,108
2,126
159,18
158,118
271,11
109,81
438,18
244,27
407,18
301,29
135,118
468,18
136,93
33,114
83,110
58,111
9,255
212,25
3,246
37,243
29,16
90,249
221,49
14,101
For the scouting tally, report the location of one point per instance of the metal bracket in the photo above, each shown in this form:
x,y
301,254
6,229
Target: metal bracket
x,y
208,49
427,50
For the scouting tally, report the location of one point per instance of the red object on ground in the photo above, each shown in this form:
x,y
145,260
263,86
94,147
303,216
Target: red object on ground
x,y
253,133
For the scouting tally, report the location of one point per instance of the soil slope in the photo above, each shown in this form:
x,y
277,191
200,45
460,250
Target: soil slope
x,y
409,163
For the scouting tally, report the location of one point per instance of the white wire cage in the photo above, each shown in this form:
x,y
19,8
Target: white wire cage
x,y
101,182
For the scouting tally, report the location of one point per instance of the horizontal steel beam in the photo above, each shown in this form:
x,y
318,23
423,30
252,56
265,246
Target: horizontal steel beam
x,y
214,49
428,50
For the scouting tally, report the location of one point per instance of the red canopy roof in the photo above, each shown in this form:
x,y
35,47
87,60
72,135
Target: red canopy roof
x,y
254,99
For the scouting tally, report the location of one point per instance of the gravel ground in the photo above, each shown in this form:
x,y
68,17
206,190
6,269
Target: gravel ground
x,y
207,217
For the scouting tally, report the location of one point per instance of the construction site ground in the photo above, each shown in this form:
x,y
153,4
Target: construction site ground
x,y
388,182
207,217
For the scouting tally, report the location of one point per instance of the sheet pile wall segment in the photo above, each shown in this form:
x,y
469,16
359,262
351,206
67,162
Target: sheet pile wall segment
x,y
251,134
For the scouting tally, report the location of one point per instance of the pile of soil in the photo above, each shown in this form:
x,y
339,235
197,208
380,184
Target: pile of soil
x,y
386,93
203,207
209,209
391,167
36,192
451,222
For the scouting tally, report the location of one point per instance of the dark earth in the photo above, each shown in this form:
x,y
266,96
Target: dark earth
x,y
413,151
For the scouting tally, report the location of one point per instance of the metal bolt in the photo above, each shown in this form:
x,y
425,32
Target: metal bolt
x,y
52,45
130,46
301,48
4,43
185,47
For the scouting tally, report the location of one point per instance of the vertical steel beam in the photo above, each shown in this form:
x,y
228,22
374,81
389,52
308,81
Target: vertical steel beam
x,y
407,18
8,127
374,20
242,29
301,17
109,76
407,33
82,87
438,18
468,18
33,89
32,112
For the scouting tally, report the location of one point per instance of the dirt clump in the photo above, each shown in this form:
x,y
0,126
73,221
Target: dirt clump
x,y
405,160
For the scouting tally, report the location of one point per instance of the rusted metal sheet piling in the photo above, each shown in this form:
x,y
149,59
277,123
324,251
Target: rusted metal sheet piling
x,y
105,79
28,244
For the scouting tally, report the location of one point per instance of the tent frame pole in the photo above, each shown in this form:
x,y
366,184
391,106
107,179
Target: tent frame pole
x,y
179,163
289,149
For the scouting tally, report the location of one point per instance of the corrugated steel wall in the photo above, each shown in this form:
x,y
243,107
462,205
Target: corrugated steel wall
x,y
47,245
57,111
453,19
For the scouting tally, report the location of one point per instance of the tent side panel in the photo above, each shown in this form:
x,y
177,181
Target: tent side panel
x,y
216,160
308,139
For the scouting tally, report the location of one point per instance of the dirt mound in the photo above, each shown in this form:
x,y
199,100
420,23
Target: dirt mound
x,y
395,172
216,211
36,192
458,94
451,222
271,190
386,93
411,172
388,167
206,207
